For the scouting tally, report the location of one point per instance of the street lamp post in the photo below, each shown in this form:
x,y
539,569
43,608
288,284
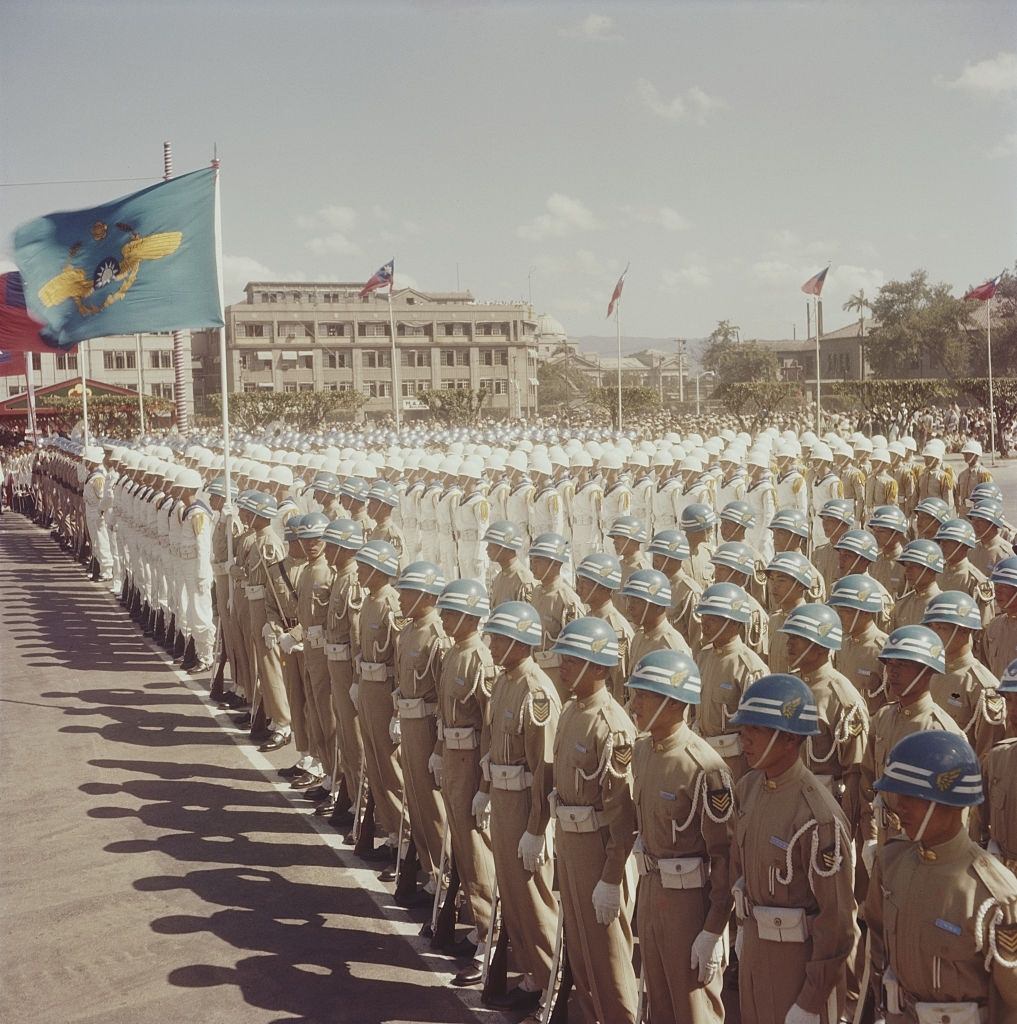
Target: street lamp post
x,y
699,377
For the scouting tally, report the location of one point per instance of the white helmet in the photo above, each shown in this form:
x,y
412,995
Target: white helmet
x,y
517,460
580,459
611,459
972,447
821,452
881,455
758,457
540,463
935,448
281,475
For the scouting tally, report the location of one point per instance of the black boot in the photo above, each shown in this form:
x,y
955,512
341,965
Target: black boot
x,y
94,568
125,591
190,656
407,894
160,628
171,634
365,841
148,623
217,692
179,646
135,607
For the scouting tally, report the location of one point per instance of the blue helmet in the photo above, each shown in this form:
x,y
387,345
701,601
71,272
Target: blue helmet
x,y
517,620
669,544
959,530
915,643
781,702
466,596
649,585
816,623
246,500
795,565
355,488
734,554
505,535
936,766
263,505
552,546
926,553
988,489
380,555
697,518
383,491
291,531
601,568
861,543
1008,680
840,509
628,527
670,674
347,534
726,601
328,483
588,639
889,517
954,608
1004,572
425,577
793,520
990,510
935,508
859,592
739,513
311,526
218,487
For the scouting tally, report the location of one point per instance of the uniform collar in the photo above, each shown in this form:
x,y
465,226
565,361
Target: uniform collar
x,y
521,669
678,738
952,850
923,705
963,660
787,779
597,700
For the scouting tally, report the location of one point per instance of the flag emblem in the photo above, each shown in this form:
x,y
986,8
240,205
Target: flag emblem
x,y
814,285
984,291
617,293
384,277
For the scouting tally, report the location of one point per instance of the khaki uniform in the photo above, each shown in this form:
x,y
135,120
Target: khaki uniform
x,y
633,563
965,577
662,637
889,572
618,677
594,836
985,556
937,482
685,595
557,603
853,482
906,477
306,735
233,640
313,594
265,587
342,642
464,691
999,643
242,609
827,564
778,658
419,647
699,566
517,747
782,866
858,661
387,530
513,583
909,608
922,911
880,489
968,693
726,670
684,801
999,812
375,674
967,480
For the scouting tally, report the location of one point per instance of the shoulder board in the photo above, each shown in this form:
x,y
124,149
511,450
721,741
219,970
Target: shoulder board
x,y
998,879
948,478
821,803
197,506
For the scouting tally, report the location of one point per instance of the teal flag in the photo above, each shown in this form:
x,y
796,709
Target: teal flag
x,y
146,262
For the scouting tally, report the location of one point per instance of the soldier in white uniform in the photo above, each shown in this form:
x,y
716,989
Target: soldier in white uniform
x,y
587,502
94,495
826,485
472,518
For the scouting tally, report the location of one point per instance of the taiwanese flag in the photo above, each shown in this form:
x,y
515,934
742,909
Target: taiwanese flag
x,y
617,293
384,277
984,291
18,331
814,285
12,364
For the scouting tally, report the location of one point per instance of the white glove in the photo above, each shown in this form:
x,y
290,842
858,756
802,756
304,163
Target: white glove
x,y
481,809
395,732
796,1015
869,848
354,693
267,632
270,641
708,956
739,941
434,767
532,851
297,648
287,643
606,901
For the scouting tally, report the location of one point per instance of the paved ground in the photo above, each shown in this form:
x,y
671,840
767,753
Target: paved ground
x,y
153,871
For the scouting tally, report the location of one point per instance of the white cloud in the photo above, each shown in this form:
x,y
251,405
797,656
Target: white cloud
x,y
341,218
994,76
692,105
1007,146
333,244
330,227
238,271
582,261
671,220
593,26
564,215
691,276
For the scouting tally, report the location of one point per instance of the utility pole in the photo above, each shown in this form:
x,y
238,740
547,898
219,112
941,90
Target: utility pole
x,y
681,370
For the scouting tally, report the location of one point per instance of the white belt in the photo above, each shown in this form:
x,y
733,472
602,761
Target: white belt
x,y
461,738
583,521
414,707
254,593
547,659
315,636
337,652
373,671
513,777
729,745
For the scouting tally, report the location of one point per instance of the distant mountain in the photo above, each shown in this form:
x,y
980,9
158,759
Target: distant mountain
x,y
608,346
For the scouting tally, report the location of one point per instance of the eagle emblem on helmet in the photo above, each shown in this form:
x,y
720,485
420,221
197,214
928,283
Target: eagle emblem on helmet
x,y
652,588
824,628
471,600
863,593
679,676
524,622
945,780
736,603
790,708
935,650
598,645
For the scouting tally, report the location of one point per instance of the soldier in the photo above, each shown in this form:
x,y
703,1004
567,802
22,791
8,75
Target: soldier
x,y
666,497
517,750
733,563
923,562
1000,638
648,600
793,864
930,514
418,653
936,480
628,535
904,475
514,581
587,531
880,486
973,474
999,813
761,497
790,531
382,501
790,581
697,523
684,800
889,526
987,520
728,665
556,602
967,689
852,477
670,551
617,497
956,538
472,519
519,501
430,549
733,479
409,507
196,570
792,490
547,513
826,484
464,693
836,517
598,576
596,823
858,601
95,514
940,912
912,656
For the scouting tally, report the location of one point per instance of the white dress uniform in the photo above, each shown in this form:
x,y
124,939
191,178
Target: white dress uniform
x,y
473,516
732,489
761,497
617,502
95,493
566,488
824,490
547,513
643,491
665,505
498,496
448,555
409,502
517,509
792,491
429,549
196,576
587,529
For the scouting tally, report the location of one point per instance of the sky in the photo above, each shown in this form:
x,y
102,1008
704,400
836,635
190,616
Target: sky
x,y
725,151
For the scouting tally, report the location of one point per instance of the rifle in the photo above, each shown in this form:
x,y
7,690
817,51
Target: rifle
x,y
493,977
443,921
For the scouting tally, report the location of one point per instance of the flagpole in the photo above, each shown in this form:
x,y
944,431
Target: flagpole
x,y
819,413
84,388
30,392
617,326
141,386
395,359
992,408
179,386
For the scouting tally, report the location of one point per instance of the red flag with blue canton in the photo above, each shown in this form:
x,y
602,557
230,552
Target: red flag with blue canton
x,y
384,276
814,285
617,293
19,332
984,291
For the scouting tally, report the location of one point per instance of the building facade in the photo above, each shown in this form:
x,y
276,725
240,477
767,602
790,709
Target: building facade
x,y
321,336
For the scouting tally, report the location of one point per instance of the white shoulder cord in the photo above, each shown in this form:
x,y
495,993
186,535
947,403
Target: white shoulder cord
x,y
729,785
985,932
838,860
435,647
789,873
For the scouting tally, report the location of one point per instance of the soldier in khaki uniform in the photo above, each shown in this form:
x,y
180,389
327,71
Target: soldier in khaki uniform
x,y
596,824
857,552
733,563
936,480
669,551
736,521
940,911
553,598
628,534
514,581
464,692
999,641
647,601
956,537
923,562
382,500
858,601
517,750
792,858
999,813
241,607
790,579
904,476
973,474
836,517
988,522
967,690
598,577
698,522
727,666
880,486
684,801
889,526
930,514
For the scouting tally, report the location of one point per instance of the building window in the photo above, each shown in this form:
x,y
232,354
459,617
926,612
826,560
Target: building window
x,y
305,387
414,357
374,330
454,330
336,360
162,390
378,389
330,387
161,359
411,330
332,330
376,358
37,361
254,330
344,385
290,389
489,330
448,357
414,387
248,388
305,362
68,361
119,360
462,357
331,297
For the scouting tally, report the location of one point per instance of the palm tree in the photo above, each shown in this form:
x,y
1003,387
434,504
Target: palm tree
x,y
858,303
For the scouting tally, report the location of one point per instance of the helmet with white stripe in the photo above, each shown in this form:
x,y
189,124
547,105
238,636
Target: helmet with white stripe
x,y
953,608
517,620
602,569
890,517
466,596
816,623
781,702
670,674
669,544
649,585
936,766
959,530
861,543
859,592
425,577
725,601
589,639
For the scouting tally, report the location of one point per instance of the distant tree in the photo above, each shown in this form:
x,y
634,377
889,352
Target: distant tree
x,y
917,323
559,382
758,399
306,410
738,362
636,401
858,303
724,331
460,407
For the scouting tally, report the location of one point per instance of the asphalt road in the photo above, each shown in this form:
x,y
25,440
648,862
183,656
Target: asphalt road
x,y
154,870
